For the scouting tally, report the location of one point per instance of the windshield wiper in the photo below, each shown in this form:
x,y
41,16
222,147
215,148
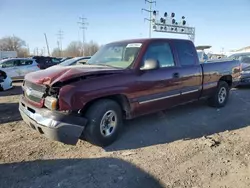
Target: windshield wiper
x,y
104,65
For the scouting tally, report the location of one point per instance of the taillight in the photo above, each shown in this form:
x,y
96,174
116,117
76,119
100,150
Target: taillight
x,y
38,66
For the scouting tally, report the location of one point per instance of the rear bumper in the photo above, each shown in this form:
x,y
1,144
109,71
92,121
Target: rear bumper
x,y
53,125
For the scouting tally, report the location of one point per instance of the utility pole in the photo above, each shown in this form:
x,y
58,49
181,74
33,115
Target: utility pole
x,y
28,49
59,39
83,25
46,40
150,2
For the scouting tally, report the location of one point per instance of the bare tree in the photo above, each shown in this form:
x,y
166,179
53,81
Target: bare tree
x,y
12,43
23,52
56,52
90,48
73,49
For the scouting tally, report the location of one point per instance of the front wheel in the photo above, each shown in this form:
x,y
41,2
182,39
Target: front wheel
x,y
105,122
220,96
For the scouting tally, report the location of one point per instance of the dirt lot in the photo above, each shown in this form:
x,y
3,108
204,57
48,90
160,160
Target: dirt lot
x,y
189,146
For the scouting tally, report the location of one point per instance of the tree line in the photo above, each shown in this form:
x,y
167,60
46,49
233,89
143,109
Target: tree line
x,y
74,49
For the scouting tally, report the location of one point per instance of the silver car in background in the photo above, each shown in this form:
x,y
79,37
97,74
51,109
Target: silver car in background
x,y
244,59
17,68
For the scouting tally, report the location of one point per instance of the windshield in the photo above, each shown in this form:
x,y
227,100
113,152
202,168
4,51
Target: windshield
x,y
3,60
119,55
70,61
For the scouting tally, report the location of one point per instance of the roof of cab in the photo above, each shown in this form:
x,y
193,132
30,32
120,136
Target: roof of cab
x,y
142,40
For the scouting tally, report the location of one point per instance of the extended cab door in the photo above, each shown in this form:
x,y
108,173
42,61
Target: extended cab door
x,y
190,70
158,89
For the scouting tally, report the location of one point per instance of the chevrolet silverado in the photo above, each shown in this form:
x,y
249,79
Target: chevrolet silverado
x,y
123,80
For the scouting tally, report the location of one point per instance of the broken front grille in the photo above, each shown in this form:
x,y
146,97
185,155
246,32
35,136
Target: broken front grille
x,y
34,92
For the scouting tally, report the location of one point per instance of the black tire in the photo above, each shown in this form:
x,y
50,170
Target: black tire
x,y
216,101
95,114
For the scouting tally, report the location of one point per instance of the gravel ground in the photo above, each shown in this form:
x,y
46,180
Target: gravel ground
x,y
192,146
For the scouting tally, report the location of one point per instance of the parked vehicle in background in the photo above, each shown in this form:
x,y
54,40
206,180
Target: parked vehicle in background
x,y
65,58
7,54
203,57
75,60
244,59
5,81
17,68
123,80
45,62
56,60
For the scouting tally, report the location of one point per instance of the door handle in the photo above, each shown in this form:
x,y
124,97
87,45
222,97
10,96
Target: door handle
x,y
176,75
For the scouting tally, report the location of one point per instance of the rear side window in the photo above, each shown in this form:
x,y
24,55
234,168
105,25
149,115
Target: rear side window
x,y
25,62
185,52
160,51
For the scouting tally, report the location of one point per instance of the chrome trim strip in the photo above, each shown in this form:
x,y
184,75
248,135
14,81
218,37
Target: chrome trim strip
x,y
157,99
187,92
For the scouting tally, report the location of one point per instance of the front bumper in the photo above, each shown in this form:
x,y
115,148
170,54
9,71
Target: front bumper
x,y
6,84
53,125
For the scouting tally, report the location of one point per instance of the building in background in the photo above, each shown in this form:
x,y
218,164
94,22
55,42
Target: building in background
x,y
7,54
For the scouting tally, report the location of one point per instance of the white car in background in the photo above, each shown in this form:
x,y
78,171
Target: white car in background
x,y
17,68
5,81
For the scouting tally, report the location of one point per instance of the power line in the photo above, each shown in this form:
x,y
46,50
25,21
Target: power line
x,y
83,25
59,40
150,2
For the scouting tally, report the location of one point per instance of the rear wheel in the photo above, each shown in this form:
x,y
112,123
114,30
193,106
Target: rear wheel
x,y
105,122
221,95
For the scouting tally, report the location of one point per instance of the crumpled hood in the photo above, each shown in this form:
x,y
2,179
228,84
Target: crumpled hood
x,y
55,74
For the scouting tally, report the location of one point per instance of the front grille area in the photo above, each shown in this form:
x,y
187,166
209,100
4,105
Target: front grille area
x,y
36,87
32,98
33,91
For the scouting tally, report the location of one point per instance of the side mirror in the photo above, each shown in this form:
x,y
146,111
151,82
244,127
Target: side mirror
x,y
150,64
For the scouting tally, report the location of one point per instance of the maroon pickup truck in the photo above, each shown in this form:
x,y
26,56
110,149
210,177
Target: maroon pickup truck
x,y
122,80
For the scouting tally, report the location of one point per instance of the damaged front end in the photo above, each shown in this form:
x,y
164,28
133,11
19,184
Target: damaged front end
x,y
39,108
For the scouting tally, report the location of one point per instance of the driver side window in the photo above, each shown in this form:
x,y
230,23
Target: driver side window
x,y
162,52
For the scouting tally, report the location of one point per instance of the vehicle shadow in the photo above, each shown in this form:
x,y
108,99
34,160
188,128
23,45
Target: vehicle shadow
x,y
184,122
9,112
16,90
77,173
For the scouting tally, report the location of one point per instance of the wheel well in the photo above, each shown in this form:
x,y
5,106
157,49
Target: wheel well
x,y
122,100
228,79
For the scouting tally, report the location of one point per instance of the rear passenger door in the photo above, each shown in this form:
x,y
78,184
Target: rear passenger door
x,y
24,66
190,71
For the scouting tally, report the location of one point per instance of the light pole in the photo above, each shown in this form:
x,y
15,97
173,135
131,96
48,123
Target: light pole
x,y
150,2
168,24
83,25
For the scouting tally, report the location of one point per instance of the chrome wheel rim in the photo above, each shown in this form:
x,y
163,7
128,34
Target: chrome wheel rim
x,y
222,95
108,123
